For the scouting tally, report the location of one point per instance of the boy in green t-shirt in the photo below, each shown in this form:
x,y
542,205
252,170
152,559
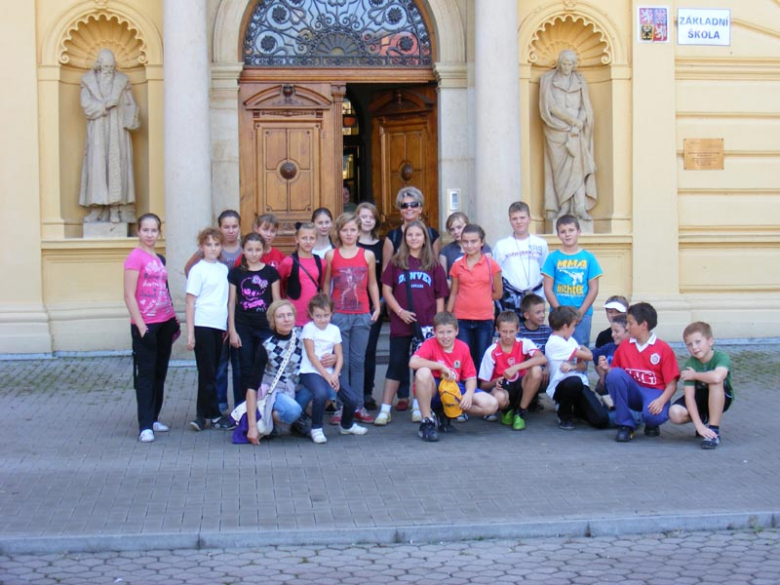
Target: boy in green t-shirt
x,y
708,390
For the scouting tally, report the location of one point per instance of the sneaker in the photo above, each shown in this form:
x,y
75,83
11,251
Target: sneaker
x,y
158,427
710,443
518,422
507,417
566,425
462,418
336,418
369,403
146,436
223,423
402,405
652,431
363,415
536,404
490,417
318,436
416,415
302,426
198,424
444,424
382,419
355,429
624,434
427,431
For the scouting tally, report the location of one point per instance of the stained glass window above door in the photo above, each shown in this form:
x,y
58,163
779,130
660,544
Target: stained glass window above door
x,y
337,33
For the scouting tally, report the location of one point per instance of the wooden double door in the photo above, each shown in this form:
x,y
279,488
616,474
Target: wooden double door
x,y
291,150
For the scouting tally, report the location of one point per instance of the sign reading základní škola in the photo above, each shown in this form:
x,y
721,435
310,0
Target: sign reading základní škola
x,y
700,26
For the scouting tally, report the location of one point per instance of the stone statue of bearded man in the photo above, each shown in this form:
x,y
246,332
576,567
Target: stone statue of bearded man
x,y
107,185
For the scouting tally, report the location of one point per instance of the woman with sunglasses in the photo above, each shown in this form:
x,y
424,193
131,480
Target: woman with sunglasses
x,y
410,203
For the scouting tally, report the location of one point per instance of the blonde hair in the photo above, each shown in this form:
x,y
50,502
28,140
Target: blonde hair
x,y
275,306
427,258
339,224
374,211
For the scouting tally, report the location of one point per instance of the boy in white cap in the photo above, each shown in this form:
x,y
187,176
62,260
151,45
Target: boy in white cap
x,y
615,305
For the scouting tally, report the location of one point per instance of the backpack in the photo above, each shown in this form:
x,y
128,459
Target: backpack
x,y
449,392
294,282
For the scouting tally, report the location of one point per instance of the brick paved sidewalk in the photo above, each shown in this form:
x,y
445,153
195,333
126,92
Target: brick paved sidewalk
x,y
71,468
735,558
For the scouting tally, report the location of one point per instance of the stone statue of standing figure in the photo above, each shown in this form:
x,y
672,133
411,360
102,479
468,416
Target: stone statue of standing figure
x,y
107,185
569,165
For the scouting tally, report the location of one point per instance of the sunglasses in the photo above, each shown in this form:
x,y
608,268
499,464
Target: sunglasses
x,y
411,205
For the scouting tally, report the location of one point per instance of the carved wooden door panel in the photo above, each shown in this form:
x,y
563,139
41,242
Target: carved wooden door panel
x,y
404,149
289,162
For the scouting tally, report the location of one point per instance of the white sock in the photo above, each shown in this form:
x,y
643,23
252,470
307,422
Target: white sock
x,y
415,406
385,408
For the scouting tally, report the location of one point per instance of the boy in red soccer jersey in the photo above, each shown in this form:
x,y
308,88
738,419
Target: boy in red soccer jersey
x,y
444,357
511,370
643,375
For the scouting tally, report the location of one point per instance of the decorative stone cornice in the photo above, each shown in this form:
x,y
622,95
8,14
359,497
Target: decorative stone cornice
x,y
451,75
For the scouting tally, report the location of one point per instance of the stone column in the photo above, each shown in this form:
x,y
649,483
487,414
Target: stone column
x,y
453,136
497,96
187,135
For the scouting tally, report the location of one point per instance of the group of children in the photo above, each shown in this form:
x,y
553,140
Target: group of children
x,y
333,278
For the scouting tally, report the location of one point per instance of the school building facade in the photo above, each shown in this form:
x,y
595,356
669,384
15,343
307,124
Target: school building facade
x,y
278,105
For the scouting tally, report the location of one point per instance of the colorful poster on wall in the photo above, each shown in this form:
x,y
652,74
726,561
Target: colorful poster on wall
x,y
696,26
653,24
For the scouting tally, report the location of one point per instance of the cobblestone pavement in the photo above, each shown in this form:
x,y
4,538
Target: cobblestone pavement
x,y
73,474
732,558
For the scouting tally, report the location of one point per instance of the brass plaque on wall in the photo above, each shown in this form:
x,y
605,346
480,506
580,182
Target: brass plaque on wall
x,y
703,154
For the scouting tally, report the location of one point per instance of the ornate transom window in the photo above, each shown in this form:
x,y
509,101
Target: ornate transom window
x,y
337,33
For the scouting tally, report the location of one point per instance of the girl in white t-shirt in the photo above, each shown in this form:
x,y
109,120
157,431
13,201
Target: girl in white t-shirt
x,y
207,314
321,338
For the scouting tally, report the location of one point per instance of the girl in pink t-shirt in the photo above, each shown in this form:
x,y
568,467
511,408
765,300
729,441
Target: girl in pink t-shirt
x,y
153,325
302,273
476,284
351,278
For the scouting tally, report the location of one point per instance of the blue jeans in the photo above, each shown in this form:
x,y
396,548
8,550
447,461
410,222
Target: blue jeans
x,y
477,335
582,331
628,395
230,356
355,329
286,408
316,390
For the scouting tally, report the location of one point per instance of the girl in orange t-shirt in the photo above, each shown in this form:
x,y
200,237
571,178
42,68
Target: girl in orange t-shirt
x,y
476,283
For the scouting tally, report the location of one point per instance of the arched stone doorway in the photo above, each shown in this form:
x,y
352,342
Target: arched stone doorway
x,y
335,95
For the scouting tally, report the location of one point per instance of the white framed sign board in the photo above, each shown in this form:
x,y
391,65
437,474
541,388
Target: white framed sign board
x,y
704,26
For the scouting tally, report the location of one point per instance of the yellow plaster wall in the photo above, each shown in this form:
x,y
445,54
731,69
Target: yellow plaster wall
x,y
81,280
23,320
699,245
729,219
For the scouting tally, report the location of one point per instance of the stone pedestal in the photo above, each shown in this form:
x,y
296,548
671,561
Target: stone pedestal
x,y
105,229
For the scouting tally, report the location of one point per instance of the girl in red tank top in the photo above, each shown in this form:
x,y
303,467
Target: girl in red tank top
x,y
350,278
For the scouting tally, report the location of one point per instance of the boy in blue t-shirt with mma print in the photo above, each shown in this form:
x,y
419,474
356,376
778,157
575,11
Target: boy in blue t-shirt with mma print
x,y
571,277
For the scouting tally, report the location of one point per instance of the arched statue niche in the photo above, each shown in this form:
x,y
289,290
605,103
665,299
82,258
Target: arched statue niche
x,y
601,68
69,51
